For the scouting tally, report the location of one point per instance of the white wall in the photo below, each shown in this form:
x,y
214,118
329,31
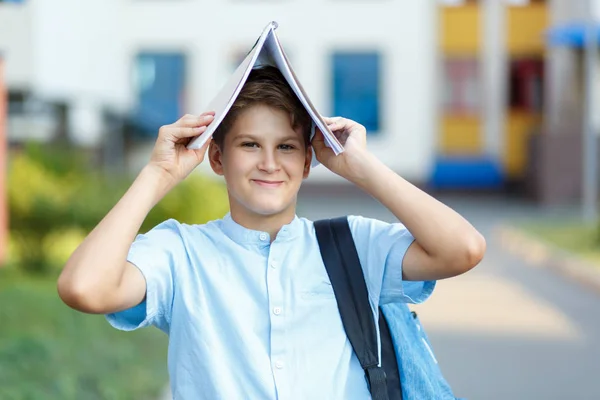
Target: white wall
x,y
493,58
596,8
564,97
15,43
565,11
83,51
78,49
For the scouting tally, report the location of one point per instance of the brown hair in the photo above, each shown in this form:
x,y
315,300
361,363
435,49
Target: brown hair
x,y
266,86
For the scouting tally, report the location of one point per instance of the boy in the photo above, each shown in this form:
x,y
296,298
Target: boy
x,y
246,300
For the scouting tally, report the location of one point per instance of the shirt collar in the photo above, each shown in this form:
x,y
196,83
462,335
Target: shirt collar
x,y
240,234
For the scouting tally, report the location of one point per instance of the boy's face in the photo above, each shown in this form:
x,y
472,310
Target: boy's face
x,y
263,161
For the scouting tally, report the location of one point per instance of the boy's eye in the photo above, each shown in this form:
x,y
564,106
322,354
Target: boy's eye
x,y
286,147
249,144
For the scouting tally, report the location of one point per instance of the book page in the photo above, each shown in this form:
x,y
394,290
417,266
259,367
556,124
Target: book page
x,y
276,52
222,102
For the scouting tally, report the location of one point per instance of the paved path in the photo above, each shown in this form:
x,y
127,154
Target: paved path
x,y
506,330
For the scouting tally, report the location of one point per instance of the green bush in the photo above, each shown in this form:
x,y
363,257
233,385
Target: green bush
x,y
49,351
55,199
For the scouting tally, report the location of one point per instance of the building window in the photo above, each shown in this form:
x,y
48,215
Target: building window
x,y
461,83
526,85
356,89
159,84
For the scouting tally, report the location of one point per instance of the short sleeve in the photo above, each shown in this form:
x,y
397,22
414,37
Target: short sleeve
x,y
381,249
155,254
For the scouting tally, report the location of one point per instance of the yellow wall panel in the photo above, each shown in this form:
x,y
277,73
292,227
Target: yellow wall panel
x,y
460,29
526,28
519,127
460,135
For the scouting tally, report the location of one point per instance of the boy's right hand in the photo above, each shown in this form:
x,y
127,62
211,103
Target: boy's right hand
x,y
170,156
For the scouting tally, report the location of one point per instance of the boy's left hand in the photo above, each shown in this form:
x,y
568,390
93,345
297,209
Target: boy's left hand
x,y
353,136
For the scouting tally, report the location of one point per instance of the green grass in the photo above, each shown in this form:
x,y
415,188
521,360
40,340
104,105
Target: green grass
x,y
48,351
575,237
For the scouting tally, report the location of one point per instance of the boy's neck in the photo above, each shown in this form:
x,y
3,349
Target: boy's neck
x,y
271,224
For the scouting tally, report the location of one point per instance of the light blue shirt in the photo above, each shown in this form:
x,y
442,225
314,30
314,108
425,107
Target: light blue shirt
x,y
251,319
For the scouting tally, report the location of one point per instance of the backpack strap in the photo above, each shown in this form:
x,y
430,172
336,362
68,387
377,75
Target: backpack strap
x,y
348,283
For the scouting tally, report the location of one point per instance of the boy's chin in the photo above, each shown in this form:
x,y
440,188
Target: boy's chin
x,y
265,209
269,211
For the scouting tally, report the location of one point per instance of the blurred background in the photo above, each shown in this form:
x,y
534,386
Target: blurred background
x,y
492,106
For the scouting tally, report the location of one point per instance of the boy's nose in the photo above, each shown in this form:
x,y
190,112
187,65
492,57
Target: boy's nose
x,y
268,162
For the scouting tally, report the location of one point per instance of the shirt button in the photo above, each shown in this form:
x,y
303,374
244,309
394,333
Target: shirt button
x,y
277,310
279,365
264,236
273,265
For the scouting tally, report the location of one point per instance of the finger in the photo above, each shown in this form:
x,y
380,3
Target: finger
x,y
179,132
318,137
340,129
318,141
331,119
212,113
199,153
337,123
195,116
193,121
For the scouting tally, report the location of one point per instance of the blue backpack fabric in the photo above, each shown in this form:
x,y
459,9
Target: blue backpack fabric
x,y
408,369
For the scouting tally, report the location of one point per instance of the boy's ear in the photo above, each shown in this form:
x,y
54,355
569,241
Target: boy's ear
x,y
215,156
308,161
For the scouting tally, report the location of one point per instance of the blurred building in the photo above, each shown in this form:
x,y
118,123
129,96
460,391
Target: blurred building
x,y
556,174
492,61
452,92
156,60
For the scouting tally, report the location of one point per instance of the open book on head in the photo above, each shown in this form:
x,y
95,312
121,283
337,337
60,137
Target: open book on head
x,y
266,51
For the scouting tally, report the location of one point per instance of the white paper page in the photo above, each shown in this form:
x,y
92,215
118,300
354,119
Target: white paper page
x,y
222,102
273,46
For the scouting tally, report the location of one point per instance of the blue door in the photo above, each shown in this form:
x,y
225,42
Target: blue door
x,y
160,88
356,88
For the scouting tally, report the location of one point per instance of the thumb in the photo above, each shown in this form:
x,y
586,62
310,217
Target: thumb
x,y
318,142
201,152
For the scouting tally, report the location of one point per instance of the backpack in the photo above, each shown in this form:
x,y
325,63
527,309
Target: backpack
x,y
408,368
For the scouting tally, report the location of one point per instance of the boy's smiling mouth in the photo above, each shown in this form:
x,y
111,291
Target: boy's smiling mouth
x,y
267,184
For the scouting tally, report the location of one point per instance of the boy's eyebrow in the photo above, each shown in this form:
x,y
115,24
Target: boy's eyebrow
x,y
247,136
291,137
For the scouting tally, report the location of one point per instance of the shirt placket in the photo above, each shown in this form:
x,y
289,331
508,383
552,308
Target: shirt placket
x,y
277,312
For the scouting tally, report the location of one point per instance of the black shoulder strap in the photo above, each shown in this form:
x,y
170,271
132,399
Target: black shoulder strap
x,y
345,273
